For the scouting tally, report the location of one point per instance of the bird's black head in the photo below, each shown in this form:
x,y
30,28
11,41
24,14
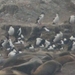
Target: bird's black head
x,y
10,25
43,26
42,13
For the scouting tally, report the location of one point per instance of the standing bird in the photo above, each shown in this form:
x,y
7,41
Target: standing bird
x,y
4,43
11,43
47,43
56,19
72,19
58,37
39,19
73,46
11,30
38,41
19,32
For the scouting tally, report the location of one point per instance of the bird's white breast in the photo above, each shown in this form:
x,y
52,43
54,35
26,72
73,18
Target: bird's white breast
x,y
11,31
72,19
38,40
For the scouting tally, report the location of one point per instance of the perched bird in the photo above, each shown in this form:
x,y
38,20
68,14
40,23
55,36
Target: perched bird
x,y
62,48
10,43
58,37
42,46
46,29
56,19
59,46
18,51
72,38
65,39
47,43
39,19
42,42
10,48
4,42
38,41
72,19
21,36
51,47
73,46
11,30
12,53
62,42
70,45
30,46
19,41
19,32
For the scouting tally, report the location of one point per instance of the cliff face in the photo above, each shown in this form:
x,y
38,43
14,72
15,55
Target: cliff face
x,y
29,10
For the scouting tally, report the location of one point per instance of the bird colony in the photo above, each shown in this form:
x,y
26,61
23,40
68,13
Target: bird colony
x,y
37,55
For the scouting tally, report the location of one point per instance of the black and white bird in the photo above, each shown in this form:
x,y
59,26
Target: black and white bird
x,y
70,45
11,30
51,47
11,43
59,46
30,46
22,37
47,43
4,42
72,19
10,46
46,29
42,42
38,41
13,52
65,40
73,46
40,18
58,37
62,42
19,41
56,19
72,38
19,32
